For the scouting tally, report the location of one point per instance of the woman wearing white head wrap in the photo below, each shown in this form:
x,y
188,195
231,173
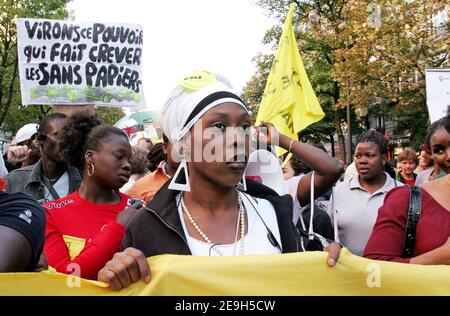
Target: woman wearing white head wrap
x,y
195,95
205,214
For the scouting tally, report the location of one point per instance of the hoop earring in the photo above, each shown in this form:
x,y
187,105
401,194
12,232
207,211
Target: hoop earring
x,y
177,186
91,169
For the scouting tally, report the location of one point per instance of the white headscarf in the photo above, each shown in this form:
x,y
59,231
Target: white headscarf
x,y
198,92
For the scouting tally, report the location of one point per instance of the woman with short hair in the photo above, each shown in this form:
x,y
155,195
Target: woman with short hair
x,y
356,201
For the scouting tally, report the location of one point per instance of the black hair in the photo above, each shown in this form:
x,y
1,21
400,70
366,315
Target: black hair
x,y
441,123
376,137
155,156
298,165
43,124
84,131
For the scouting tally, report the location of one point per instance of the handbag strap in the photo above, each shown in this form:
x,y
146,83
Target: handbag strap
x,y
414,211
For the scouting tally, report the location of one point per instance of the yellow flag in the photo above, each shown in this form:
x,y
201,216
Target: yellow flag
x,y
289,101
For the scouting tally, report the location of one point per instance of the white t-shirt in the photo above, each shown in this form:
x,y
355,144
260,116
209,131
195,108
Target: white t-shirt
x,y
256,241
61,187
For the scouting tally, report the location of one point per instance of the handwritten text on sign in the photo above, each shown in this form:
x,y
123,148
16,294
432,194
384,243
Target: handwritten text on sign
x,y
62,62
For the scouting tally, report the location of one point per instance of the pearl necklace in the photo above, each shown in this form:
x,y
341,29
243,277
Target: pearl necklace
x,y
241,220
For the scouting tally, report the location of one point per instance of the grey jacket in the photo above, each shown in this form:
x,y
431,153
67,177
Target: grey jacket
x,y
29,180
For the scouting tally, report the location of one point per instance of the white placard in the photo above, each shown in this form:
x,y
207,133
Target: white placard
x,y
64,62
438,92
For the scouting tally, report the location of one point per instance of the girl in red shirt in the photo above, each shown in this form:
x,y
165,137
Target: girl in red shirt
x,y
85,228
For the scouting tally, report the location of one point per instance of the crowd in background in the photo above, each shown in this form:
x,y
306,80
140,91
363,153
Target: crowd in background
x,y
76,191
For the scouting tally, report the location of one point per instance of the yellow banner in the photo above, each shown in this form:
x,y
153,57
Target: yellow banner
x,y
289,101
266,275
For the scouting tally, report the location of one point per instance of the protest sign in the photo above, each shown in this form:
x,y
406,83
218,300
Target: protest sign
x,y
438,92
68,63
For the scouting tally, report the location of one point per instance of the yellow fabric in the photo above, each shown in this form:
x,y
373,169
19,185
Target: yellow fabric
x,y
197,80
289,102
74,245
268,275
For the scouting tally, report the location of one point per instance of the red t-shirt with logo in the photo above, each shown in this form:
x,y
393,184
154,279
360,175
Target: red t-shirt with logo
x,y
81,236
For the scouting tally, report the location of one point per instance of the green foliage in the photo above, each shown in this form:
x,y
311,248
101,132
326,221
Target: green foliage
x,y
20,115
318,60
352,62
12,114
412,120
254,89
109,115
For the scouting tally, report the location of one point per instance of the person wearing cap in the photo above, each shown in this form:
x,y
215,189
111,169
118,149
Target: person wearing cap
x,y
208,208
24,151
50,178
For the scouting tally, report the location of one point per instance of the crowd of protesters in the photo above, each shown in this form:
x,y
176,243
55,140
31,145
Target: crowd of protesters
x,y
74,191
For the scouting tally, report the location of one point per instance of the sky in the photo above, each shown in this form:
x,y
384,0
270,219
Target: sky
x,y
182,36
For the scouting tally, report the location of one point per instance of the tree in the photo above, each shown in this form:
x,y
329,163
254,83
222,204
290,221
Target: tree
x,y
20,115
253,91
109,115
316,45
9,86
376,54
389,45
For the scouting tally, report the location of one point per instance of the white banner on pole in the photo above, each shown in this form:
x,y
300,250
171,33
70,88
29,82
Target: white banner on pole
x,y
438,92
69,63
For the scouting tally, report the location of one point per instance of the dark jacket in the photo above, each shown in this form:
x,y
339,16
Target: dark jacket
x,y
156,229
402,179
29,180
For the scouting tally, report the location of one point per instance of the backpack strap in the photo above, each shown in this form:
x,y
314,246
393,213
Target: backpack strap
x,y
414,211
